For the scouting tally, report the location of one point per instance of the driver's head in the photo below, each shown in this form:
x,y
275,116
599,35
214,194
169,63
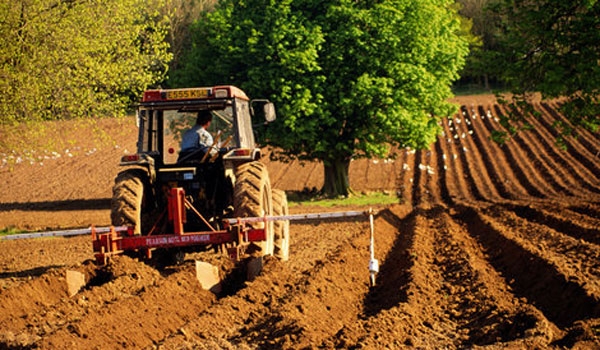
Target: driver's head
x,y
204,117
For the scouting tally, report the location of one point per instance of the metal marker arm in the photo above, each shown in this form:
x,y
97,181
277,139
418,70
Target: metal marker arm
x,y
64,233
292,217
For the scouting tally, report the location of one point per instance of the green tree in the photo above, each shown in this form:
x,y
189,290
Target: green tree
x,y
350,79
551,47
65,59
180,15
484,28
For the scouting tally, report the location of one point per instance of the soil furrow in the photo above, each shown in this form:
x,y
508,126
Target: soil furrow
x,y
338,288
478,300
401,181
49,307
530,275
565,167
574,258
564,223
588,209
404,309
408,174
460,151
494,159
487,175
32,258
454,172
489,151
584,157
582,216
528,142
230,317
312,239
154,312
443,172
445,296
31,298
426,190
393,276
270,312
434,172
524,170
419,179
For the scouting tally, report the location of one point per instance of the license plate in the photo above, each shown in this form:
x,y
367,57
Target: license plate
x,y
187,94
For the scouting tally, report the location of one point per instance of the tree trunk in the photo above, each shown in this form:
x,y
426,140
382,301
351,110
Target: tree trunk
x,y
336,177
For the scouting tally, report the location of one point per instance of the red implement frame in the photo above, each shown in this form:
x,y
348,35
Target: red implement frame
x,y
116,242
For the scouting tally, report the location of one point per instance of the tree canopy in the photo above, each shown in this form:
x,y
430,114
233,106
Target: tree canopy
x,y
180,15
484,27
65,59
551,47
350,79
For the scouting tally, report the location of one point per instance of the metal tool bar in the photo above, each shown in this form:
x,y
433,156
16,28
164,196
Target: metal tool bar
x,y
75,232
311,216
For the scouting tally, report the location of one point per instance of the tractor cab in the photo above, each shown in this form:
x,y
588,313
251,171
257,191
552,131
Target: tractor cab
x,y
207,178
164,115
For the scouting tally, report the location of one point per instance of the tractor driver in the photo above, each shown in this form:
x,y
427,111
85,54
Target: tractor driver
x,y
198,136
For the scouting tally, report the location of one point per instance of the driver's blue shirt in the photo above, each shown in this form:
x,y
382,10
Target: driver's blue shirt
x,y
196,137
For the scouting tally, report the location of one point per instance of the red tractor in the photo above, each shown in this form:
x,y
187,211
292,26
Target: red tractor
x,y
171,202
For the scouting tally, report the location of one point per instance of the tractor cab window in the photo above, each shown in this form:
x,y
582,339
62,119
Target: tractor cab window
x,y
177,122
147,121
244,124
174,125
222,127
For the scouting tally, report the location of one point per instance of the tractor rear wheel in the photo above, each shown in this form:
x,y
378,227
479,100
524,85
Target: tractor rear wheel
x,y
281,227
128,205
253,198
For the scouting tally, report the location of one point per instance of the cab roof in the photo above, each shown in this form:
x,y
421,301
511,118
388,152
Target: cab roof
x,y
191,94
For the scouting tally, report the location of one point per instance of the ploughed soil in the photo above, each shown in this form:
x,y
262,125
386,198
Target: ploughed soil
x,y
489,246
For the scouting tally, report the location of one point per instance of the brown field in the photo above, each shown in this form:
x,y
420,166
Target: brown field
x,y
489,246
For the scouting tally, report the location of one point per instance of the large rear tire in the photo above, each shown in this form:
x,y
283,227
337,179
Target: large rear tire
x,y
128,201
253,198
281,230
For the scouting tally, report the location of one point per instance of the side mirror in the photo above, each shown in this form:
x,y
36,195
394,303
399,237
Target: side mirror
x,y
269,110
